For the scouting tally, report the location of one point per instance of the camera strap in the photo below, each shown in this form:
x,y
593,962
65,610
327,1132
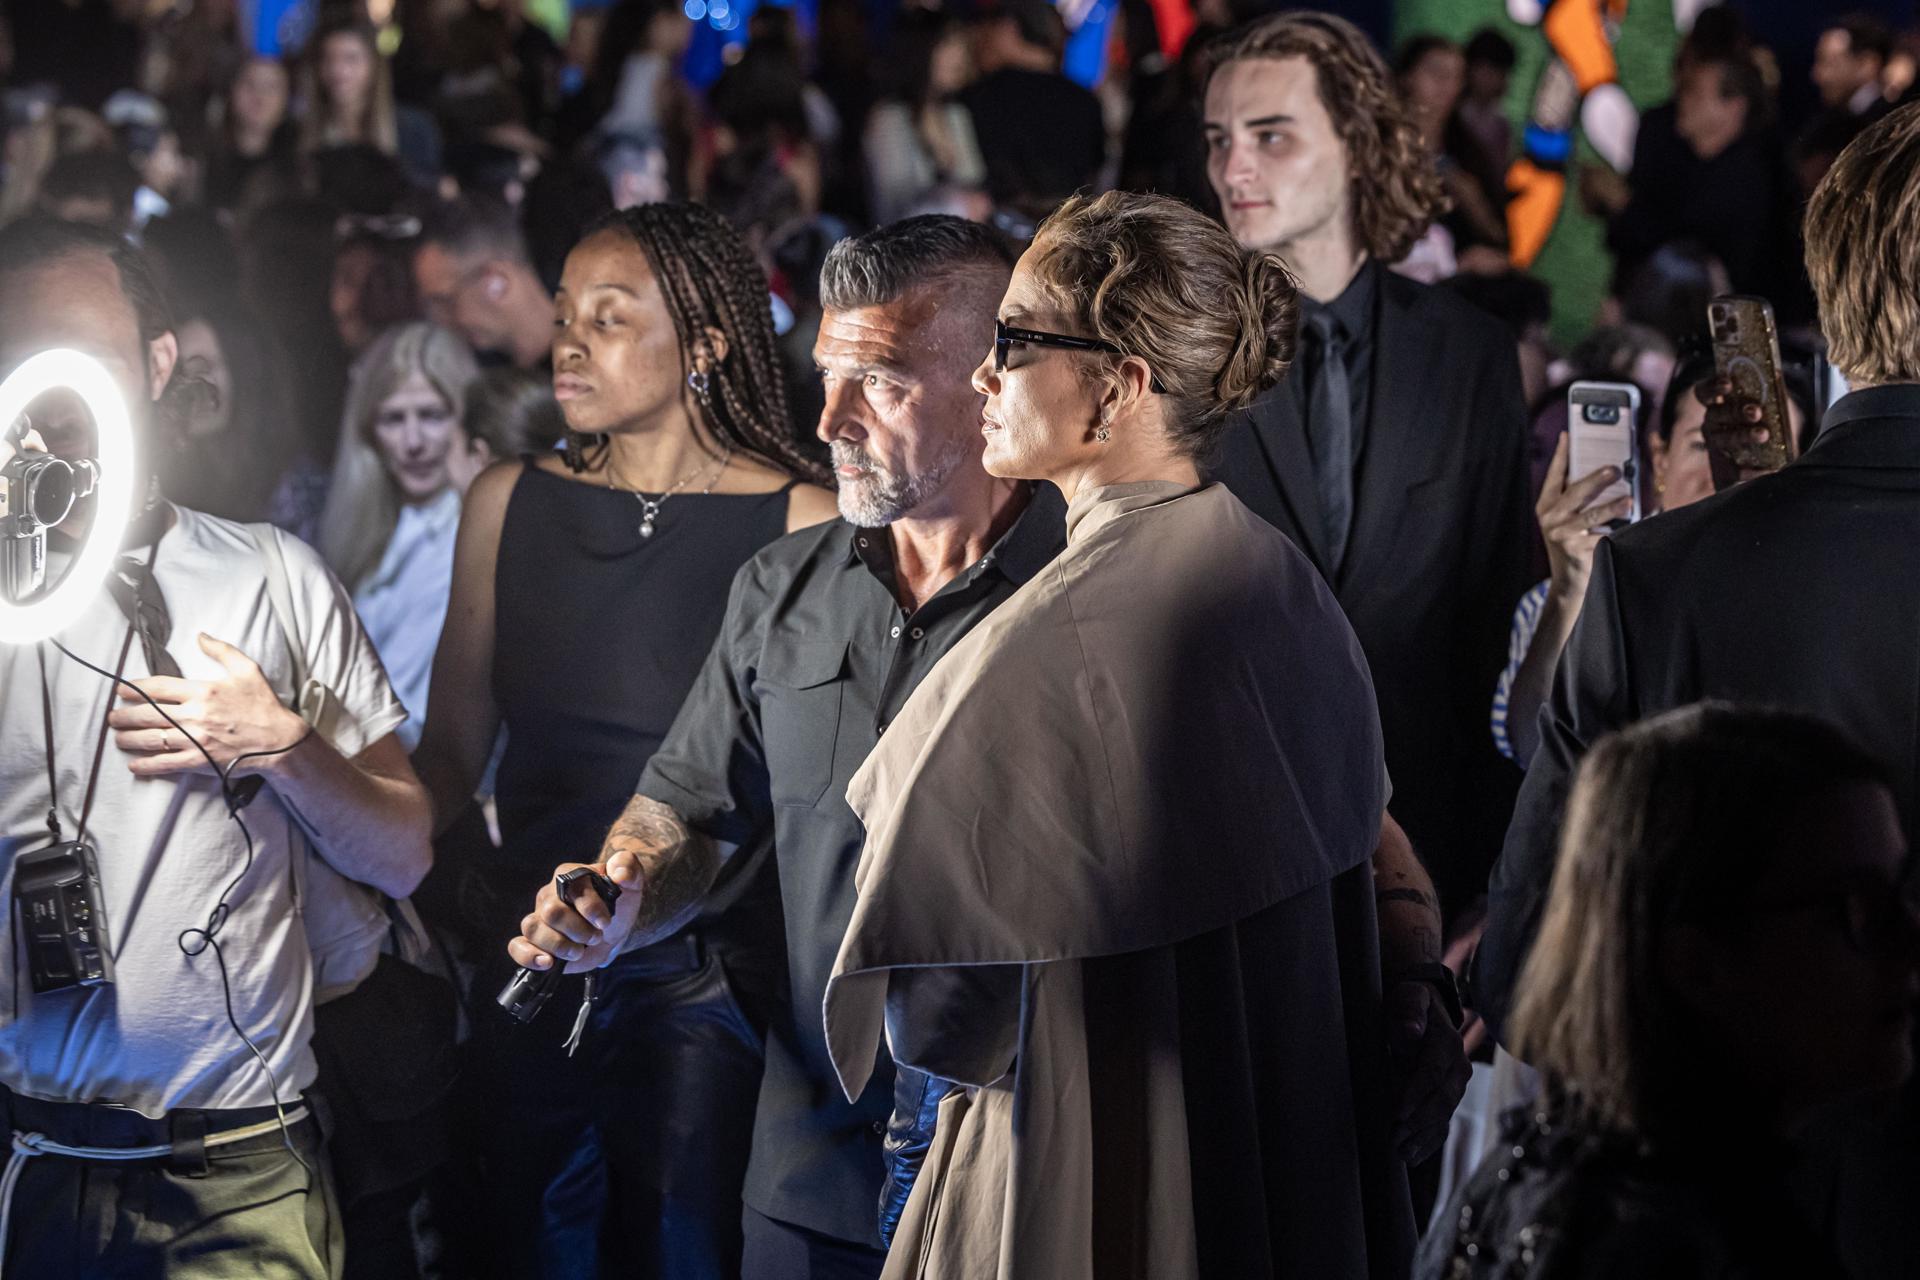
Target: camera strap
x,y
100,743
99,746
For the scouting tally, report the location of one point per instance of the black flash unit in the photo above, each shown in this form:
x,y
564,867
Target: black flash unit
x,y
63,918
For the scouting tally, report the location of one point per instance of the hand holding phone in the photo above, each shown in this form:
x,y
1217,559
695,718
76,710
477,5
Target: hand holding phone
x,y
1747,427
1603,434
1573,519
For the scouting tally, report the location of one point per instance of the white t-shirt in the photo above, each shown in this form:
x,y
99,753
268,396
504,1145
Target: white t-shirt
x,y
158,1037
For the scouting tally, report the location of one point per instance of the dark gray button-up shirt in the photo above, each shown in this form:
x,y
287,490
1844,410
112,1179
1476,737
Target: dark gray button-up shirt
x,y
815,658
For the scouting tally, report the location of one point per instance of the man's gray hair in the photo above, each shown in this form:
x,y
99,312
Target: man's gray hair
x,y
874,269
476,224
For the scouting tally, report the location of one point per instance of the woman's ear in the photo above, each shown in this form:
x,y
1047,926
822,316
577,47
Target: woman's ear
x,y
716,348
1128,388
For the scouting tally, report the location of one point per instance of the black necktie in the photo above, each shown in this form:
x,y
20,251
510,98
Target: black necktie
x,y
132,586
1330,432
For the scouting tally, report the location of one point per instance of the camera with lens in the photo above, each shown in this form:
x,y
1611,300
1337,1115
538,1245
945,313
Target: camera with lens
x,y
37,492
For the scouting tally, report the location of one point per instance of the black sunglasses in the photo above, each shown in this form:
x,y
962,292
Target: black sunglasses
x,y
1004,336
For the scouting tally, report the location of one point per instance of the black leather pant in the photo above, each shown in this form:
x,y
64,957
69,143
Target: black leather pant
x,y
626,1160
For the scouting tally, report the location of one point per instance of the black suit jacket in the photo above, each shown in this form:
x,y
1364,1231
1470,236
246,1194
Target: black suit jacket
x,y
1436,559
1793,590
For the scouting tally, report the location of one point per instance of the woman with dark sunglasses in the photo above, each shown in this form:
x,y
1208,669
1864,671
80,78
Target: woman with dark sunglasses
x,y
1118,893
1730,948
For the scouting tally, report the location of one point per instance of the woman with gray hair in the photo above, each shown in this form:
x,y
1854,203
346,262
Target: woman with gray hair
x,y
393,507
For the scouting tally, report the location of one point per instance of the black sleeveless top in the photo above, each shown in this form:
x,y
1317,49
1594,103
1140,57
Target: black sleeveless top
x,y
598,636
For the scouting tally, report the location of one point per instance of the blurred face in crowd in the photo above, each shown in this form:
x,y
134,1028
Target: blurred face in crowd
x,y
1273,156
951,69
616,355
1682,467
1706,116
1897,76
76,301
259,97
1432,86
670,33
900,417
465,293
637,174
201,352
1040,412
583,37
1486,82
419,438
164,166
346,71
1809,988
1838,71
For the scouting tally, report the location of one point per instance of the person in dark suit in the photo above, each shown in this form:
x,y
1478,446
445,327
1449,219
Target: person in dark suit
x,y
1850,66
1709,172
1789,590
1395,457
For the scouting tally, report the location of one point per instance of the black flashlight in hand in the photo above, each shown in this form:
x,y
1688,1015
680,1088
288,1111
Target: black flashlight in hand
x,y
530,989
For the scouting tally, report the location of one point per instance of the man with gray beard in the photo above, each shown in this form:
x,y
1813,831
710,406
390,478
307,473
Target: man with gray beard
x,y
827,634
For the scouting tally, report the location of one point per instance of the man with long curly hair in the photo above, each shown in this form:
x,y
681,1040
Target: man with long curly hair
x,y
1394,455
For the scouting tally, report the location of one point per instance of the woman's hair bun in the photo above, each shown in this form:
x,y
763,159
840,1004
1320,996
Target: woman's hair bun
x,y
1163,282
1269,314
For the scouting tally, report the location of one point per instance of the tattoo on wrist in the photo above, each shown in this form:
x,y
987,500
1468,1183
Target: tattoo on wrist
x,y
1406,895
675,863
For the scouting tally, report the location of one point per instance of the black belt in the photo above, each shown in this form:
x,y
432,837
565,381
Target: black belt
x,y
684,952
185,1130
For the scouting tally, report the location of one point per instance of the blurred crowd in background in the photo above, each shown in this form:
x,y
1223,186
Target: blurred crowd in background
x,y
288,197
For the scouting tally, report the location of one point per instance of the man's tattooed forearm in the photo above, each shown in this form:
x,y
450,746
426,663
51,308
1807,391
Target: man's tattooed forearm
x,y
677,866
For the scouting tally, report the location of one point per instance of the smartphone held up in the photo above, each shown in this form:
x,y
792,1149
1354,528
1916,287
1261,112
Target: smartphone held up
x,y
1746,361
1603,431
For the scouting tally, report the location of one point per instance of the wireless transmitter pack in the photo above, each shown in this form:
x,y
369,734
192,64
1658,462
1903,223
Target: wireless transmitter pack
x,y
58,892
530,989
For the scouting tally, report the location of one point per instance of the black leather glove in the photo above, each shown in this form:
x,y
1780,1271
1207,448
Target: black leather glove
x,y
916,1102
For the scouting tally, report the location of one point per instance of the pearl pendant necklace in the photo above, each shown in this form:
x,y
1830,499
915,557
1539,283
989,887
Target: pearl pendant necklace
x,y
650,507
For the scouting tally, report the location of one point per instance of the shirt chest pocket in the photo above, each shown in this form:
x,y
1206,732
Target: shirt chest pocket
x,y
801,686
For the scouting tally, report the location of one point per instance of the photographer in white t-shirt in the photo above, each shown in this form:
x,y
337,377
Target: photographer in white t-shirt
x,y
197,1050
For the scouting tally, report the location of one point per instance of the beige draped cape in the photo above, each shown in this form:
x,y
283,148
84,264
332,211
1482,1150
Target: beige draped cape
x,y
1114,885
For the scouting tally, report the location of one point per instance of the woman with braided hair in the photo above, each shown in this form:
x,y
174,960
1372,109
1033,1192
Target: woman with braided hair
x,y
589,584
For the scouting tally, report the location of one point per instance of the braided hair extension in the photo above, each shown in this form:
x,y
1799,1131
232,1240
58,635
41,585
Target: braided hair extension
x,y
710,280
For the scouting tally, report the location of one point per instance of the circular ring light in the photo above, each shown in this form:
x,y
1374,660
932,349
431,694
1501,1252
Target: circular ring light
x,y
113,495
